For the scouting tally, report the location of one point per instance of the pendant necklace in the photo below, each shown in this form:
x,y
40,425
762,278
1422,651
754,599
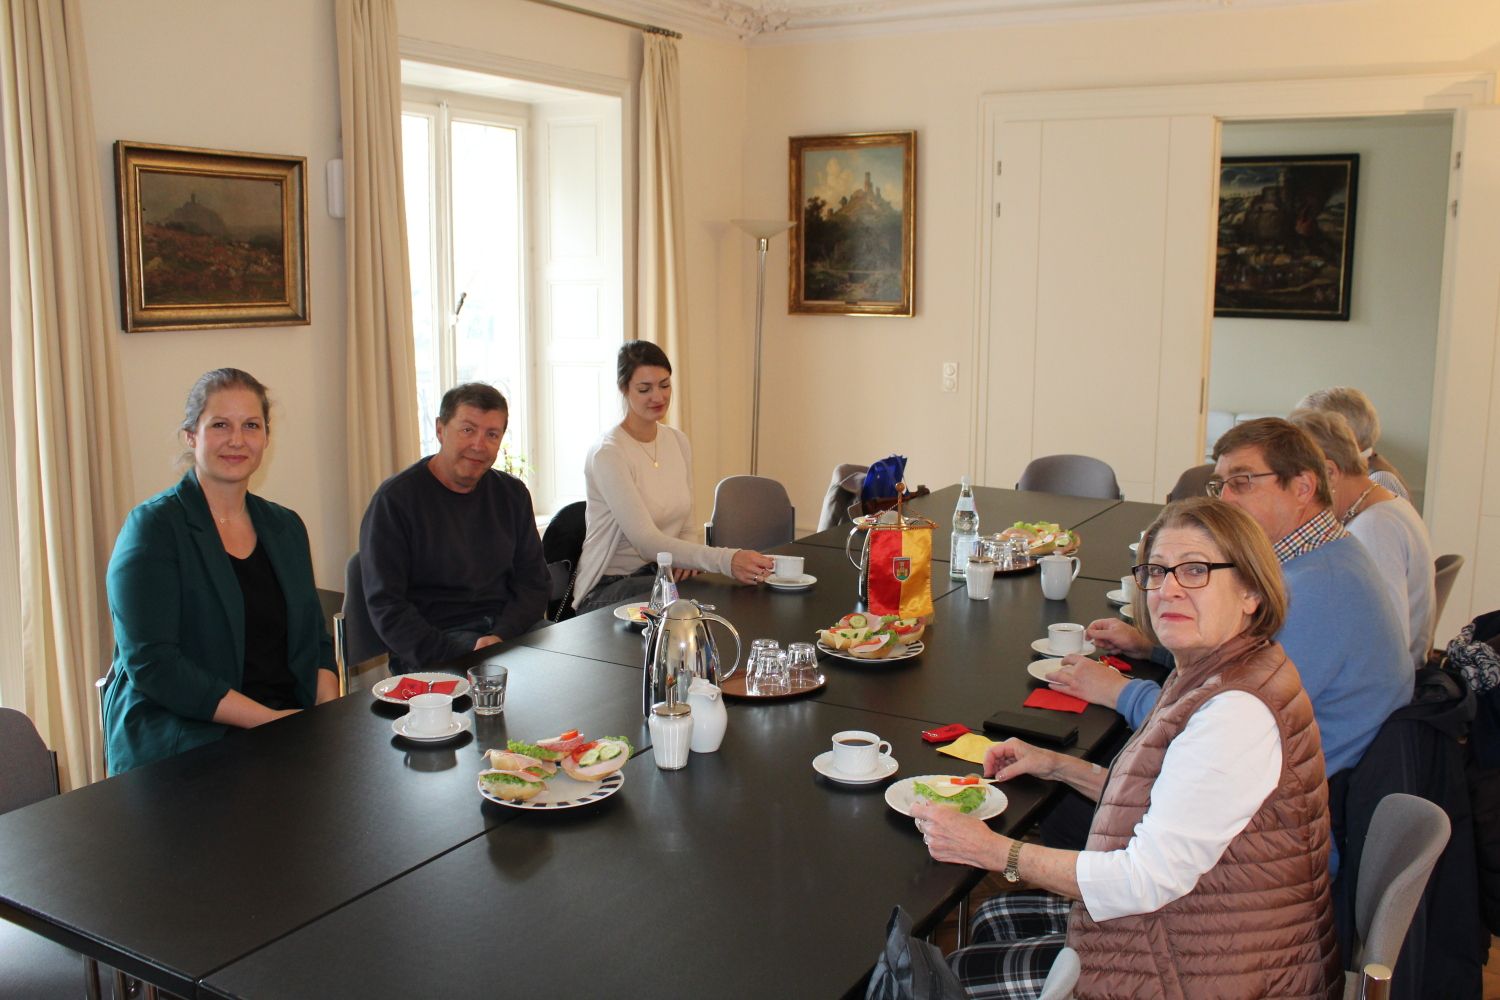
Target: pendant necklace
x,y
652,453
226,517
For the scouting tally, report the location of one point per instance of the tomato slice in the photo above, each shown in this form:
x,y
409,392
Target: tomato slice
x,y
571,734
583,748
967,779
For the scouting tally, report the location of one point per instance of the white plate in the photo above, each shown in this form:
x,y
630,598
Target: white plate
x,y
1044,646
1117,597
461,724
915,649
562,792
630,613
1043,669
383,688
900,796
791,582
823,764
1126,613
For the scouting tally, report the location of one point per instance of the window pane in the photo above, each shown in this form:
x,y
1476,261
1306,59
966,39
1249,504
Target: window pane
x,y
416,166
487,265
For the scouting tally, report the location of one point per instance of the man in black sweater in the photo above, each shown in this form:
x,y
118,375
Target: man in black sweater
x,y
448,549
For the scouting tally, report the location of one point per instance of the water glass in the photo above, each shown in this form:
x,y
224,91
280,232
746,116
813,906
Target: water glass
x,y
766,673
802,665
487,681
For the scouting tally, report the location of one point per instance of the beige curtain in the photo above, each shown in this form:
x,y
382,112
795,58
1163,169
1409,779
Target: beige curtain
x,y
381,436
72,475
663,272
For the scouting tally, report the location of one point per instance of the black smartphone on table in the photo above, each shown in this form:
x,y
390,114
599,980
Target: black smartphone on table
x,y
1036,727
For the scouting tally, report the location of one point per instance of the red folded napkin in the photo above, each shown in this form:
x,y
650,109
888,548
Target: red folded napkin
x,y
1055,700
1116,662
410,687
944,734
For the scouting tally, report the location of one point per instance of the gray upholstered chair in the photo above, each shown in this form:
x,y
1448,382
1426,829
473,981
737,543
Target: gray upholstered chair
x,y
354,636
848,480
1407,834
1073,475
1445,571
1192,483
750,512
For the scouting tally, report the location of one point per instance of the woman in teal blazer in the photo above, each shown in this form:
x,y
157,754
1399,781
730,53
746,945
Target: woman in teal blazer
x,y
216,616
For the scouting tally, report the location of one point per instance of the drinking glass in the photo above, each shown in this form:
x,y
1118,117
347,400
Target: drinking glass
x,y
767,670
802,665
488,683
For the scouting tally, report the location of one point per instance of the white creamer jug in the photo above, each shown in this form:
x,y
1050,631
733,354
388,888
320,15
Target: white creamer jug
x,y
710,718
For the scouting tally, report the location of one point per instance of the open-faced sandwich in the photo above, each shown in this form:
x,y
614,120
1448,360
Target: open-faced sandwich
x,y
510,760
596,760
872,636
965,796
517,785
534,750
1043,537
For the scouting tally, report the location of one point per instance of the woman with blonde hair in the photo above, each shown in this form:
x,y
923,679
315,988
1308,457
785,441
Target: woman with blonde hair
x,y
1206,868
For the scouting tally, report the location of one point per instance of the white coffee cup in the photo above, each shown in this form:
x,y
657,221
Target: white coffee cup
x,y
430,714
1065,638
979,578
788,567
1127,586
1056,580
856,752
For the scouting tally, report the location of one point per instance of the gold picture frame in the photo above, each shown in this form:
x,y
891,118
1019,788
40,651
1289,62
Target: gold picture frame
x,y
854,245
210,238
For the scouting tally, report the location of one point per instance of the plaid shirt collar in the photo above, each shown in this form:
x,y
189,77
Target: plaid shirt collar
x,y
1321,529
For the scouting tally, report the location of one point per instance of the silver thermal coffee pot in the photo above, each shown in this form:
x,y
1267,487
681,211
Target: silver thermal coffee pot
x,y
679,647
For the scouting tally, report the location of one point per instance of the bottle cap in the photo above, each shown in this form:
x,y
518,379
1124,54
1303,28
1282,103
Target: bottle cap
x,y
664,559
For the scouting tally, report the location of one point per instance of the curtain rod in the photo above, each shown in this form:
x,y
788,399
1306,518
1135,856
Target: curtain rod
x,y
648,28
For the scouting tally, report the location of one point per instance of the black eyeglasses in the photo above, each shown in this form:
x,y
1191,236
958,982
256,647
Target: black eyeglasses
x,y
1192,575
1239,484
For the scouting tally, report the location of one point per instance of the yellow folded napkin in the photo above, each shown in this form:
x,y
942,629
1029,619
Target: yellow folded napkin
x,y
969,747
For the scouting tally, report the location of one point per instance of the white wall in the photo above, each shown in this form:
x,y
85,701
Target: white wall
x,y
852,389
263,77
1388,345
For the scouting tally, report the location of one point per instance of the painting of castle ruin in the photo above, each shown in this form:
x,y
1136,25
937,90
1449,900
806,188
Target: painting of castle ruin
x,y
1286,236
853,198
210,238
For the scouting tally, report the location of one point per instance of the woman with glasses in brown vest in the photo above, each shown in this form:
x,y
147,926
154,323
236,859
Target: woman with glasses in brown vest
x,y
1206,869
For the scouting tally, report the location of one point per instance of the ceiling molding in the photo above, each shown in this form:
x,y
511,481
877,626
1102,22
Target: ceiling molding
x,y
791,22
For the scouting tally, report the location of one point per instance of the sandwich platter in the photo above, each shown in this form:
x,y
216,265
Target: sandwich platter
x,y
901,795
562,792
905,652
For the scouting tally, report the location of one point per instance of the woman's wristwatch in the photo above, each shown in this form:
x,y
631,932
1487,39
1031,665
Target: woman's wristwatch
x,y
1012,871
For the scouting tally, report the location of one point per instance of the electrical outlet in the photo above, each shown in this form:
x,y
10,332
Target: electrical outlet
x,y
950,376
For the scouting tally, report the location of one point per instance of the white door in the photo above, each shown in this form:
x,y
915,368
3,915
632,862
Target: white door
x,y
1100,255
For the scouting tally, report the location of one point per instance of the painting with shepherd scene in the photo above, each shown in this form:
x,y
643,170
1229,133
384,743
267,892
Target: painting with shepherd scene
x,y
1286,236
210,238
853,197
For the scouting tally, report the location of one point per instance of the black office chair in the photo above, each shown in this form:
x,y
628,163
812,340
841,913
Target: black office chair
x,y
1072,475
750,512
562,545
354,637
1192,483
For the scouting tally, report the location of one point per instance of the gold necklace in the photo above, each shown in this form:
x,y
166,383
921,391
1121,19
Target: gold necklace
x,y
226,517
653,452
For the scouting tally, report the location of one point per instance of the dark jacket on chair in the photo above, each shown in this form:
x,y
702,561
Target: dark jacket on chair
x,y
1418,751
179,620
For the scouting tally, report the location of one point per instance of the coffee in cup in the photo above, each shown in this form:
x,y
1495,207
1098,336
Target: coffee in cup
x,y
1065,638
430,714
857,753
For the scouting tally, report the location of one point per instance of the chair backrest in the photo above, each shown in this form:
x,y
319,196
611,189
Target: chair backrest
x,y
848,480
1407,834
1062,977
1445,571
360,639
28,770
751,512
562,544
1073,475
1192,483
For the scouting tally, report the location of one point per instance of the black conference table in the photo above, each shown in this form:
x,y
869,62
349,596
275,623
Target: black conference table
x,y
322,855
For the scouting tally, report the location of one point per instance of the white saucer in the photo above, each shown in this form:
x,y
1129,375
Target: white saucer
x,y
1133,547
461,724
1043,670
1126,613
791,582
1117,597
1044,646
823,764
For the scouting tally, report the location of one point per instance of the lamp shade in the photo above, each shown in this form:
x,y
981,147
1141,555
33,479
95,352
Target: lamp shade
x,y
763,229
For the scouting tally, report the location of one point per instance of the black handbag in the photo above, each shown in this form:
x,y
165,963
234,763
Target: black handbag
x,y
911,969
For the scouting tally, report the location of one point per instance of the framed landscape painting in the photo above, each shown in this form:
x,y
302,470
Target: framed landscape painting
x,y
1286,236
210,238
854,199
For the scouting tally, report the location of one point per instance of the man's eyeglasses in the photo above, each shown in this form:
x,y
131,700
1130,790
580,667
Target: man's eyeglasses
x,y
1192,575
1239,484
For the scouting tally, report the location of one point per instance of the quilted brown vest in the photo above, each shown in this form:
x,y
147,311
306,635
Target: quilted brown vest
x,y
1259,923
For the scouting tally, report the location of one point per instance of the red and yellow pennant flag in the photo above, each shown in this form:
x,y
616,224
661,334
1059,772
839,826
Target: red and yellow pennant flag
x,y
900,570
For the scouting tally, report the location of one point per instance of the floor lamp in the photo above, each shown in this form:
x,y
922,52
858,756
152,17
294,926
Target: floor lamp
x,y
762,230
